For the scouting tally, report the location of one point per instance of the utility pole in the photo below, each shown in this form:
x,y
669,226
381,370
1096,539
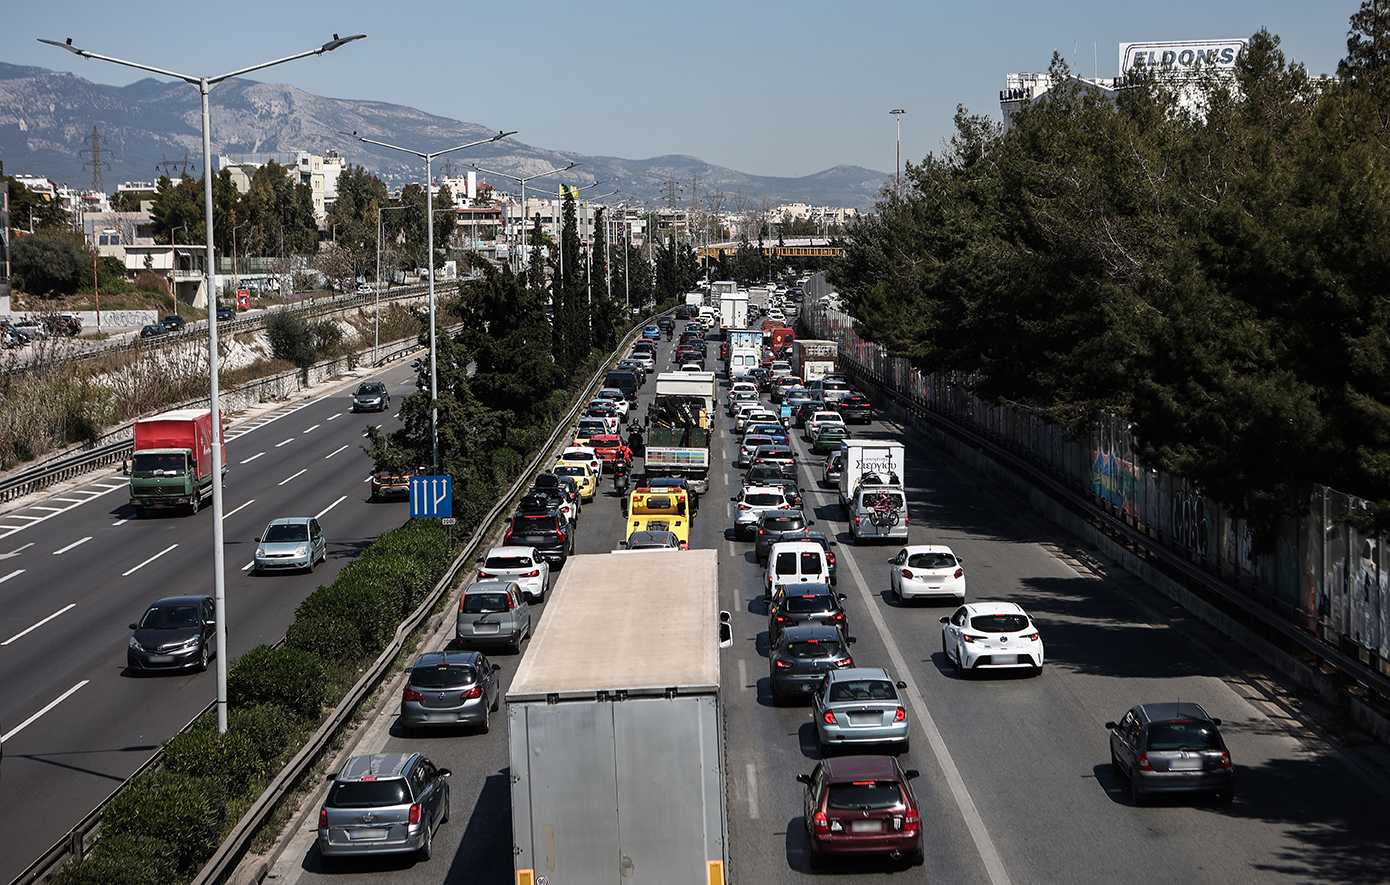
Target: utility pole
x,y
96,150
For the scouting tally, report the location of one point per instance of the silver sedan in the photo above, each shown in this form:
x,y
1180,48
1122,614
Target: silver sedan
x,y
860,706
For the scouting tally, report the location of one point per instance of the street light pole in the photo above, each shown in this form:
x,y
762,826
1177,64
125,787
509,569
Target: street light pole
x,y
522,182
376,349
898,168
429,246
205,85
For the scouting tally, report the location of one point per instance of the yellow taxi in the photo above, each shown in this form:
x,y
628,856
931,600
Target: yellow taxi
x,y
583,476
659,510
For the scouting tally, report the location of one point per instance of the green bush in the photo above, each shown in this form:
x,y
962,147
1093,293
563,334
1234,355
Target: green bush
x,y
121,858
232,759
341,622
269,728
291,339
290,677
179,809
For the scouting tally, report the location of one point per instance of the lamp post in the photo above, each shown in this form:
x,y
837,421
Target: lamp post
x,y
898,167
376,348
429,157
205,85
522,182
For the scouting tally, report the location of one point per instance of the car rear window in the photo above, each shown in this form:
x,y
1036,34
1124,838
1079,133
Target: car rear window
x,y
813,648
538,523
783,523
999,623
806,605
763,499
481,603
883,499
864,796
448,676
566,470
501,562
1191,735
864,690
368,794
931,560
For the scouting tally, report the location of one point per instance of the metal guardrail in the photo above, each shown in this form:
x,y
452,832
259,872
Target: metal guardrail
x,y
234,847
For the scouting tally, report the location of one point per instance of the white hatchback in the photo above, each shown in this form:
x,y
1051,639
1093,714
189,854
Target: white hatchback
x,y
926,571
524,565
991,636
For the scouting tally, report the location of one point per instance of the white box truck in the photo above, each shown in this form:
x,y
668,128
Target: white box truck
x,y
733,310
617,758
860,457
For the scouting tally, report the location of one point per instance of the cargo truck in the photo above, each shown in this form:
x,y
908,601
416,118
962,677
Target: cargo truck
x,y
869,457
617,759
733,310
813,359
171,465
678,428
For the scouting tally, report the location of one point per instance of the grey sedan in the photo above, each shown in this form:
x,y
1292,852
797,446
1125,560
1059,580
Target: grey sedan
x,y
451,688
173,634
1171,748
860,706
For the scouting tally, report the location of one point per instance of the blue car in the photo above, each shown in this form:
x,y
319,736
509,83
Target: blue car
x,y
652,332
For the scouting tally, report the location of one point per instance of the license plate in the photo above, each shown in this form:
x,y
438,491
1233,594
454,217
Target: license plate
x,y
1004,659
865,718
486,628
362,834
1193,764
807,687
866,826
160,659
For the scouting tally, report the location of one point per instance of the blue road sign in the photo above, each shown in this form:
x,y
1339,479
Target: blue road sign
x,y
431,496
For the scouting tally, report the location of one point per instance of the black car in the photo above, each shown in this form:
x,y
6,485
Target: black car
x,y
802,605
855,408
1171,748
226,312
175,633
153,330
772,524
802,655
539,523
175,323
666,323
805,410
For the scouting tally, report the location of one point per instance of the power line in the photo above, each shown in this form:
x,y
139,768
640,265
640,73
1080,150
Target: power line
x,y
96,150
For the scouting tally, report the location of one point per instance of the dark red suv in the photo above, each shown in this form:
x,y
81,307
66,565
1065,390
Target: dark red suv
x,y
859,805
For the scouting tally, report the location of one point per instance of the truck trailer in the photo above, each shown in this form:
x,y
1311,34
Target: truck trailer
x,y
171,465
617,759
813,359
679,423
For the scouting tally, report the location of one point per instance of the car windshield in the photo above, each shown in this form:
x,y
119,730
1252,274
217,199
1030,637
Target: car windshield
x,y
158,465
283,532
931,560
442,676
813,648
169,617
497,562
864,796
368,794
763,499
999,623
370,389
863,690
1183,735
806,605
480,603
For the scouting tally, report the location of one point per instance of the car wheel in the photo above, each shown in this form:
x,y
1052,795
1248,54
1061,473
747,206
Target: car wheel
x,y
1136,792
959,665
203,658
917,858
1115,766
496,701
897,590
486,725
427,846
139,512
904,747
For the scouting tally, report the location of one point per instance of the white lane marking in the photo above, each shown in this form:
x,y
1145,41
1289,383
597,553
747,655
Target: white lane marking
x,y
72,545
10,528
368,478
16,551
69,500
331,417
109,488
248,565
70,605
242,507
32,519
121,521
148,561
51,509
288,478
332,453
253,457
285,443
989,855
330,507
13,574
30,721
312,429
752,773
743,674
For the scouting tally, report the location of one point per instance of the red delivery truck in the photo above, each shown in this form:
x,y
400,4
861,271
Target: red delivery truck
x,y
171,466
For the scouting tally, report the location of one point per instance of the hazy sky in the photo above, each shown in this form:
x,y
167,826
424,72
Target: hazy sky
x,y
767,87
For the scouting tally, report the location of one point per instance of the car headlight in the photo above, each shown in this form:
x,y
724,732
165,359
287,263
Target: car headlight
x,y
191,643
260,552
135,644
301,550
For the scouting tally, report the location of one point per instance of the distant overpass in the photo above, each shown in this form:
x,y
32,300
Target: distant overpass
x,y
793,248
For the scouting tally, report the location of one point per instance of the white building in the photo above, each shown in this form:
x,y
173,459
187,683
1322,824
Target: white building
x,y
320,173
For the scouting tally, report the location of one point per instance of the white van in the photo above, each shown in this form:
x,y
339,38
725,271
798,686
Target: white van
x,y
795,562
878,512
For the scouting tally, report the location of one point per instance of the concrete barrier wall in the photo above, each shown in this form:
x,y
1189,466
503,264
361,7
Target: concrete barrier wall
x,y
108,318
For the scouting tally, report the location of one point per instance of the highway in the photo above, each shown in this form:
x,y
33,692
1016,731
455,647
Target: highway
x,y
76,568
1015,778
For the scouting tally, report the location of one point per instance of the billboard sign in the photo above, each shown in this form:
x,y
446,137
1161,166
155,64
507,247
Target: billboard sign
x,y
1186,57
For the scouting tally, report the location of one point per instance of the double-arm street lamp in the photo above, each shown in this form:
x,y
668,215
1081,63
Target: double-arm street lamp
x,y
429,239
522,182
205,85
898,164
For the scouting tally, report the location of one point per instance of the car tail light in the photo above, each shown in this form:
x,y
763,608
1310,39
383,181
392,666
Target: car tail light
x,y
323,818
911,818
533,573
782,619
508,536
907,573
1143,762
561,533
415,813
960,573
482,576
1225,760
472,694
820,824
829,717
900,715
847,662
830,558
857,520
837,618
968,638
412,695
1030,637
783,665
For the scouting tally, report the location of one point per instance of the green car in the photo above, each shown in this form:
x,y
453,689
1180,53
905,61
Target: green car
x,y
828,438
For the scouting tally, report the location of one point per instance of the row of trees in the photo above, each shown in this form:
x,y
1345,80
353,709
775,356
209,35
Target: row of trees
x,y
1213,269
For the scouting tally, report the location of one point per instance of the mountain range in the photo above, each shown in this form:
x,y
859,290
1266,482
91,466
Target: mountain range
x,y
153,127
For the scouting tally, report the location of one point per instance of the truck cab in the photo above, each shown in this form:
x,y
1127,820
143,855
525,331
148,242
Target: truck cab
x,y
659,510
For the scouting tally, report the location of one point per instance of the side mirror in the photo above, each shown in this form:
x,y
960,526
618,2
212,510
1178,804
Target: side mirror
x,y
804,779
841,595
135,626
912,773
945,620
256,540
734,498
444,772
851,640
810,522
1215,721
496,667
833,544
901,684
1110,726
959,561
